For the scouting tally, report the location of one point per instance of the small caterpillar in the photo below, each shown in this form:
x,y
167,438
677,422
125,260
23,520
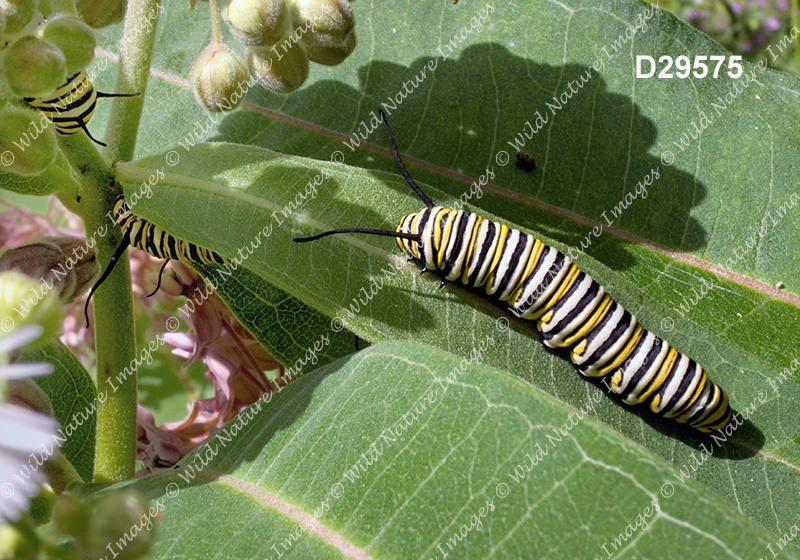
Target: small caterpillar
x,y
72,105
152,239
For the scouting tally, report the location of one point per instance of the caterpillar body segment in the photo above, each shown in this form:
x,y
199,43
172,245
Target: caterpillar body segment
x,y
569,308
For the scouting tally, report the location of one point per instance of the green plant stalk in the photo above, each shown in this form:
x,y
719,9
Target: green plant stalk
x,y
795,11
115,340
69,188
61,473
216,36
113,316
136,52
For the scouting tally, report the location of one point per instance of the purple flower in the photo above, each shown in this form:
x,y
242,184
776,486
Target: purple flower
x,y
772,24
155,447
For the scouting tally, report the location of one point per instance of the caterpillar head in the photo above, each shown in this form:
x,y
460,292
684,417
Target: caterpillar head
x,y
424,231
409,224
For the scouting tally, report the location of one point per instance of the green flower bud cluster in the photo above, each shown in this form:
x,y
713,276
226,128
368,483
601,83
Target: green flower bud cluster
x,y
281,37
284,35
36,58
39,62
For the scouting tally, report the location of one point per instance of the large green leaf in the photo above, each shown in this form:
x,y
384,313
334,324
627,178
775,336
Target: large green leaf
x,y
404,451
716,205
74,398
379,296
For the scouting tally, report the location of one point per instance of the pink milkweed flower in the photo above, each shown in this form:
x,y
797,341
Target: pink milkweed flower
x,y
236,362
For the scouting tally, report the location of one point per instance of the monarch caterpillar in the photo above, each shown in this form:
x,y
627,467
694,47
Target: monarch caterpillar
x,y
152,239
571,310
71,106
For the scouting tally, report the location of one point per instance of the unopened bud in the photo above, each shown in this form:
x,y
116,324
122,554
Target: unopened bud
x,y
325,23
101,13
34,67
71,516
27,394
84,264
64,262
218,76
116,512
257,22
27,141
331,56
281,69
74,38
15,15
24,301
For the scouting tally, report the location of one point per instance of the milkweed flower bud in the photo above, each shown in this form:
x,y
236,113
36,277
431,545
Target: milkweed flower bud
x,y
217,76
111,521
101,13
37,260
74,38
26,393
64,263
71,516
257,22
326,23
15,15
331,56
22,302
281,69
27,141
34,67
